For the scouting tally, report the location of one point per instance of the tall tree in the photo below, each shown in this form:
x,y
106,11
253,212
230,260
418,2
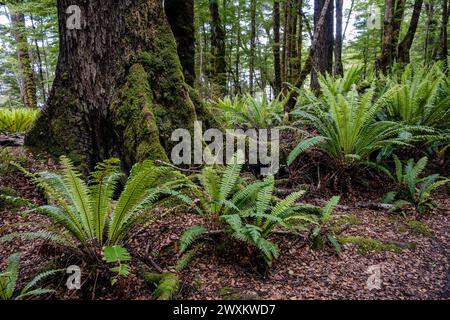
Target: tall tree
x,y
393,16
218,50
119,88
338,66
180,14
252,44
404,46
276,46
443,38
26,72
322,59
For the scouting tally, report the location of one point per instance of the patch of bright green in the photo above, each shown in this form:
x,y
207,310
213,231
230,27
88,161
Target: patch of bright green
x,y
348,219
420,228
367,246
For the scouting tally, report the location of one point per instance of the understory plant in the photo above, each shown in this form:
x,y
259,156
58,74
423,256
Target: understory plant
x,y
245,212
323,232
250,112
17,120
420,97
347,126
85,217
411,188
9,277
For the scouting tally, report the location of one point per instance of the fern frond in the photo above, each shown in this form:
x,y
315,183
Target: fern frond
x,y
190,236
230,176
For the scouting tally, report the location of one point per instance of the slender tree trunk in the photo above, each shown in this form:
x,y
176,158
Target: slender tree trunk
x,y
26,72
300,37
119,88
218,48
40,64
429,8
276,47
237,71
322,59
180,14
393,16
285,52
252,44
338,66
404,46
443,38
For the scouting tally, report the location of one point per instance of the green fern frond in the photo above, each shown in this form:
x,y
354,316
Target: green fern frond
x,y
190,236
230,176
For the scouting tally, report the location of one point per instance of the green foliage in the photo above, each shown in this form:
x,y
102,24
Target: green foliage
x,y
248,212
420,98
167,285
117,255
368,246
7,157
249,112
323,232
88,215
411,188
17,120
347,125
8,281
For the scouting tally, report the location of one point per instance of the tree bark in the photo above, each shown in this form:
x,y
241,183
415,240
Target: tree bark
x,y
252,45
26,72
119,88
322,59
404,46
218,50
429,9
338,66
393,16
443,38
276,46
180,14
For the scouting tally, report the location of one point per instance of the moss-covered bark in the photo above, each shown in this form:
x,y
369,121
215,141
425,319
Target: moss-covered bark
x,y
119,88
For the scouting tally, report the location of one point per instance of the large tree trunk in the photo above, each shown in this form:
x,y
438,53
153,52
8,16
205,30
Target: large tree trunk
x,y
338,66
180,14
218,50
26,73
322,59
404,46
119,88
276,46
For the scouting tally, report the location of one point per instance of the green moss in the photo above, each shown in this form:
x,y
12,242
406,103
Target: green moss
x,y
347,219
173,106
420,228
136,121
368,246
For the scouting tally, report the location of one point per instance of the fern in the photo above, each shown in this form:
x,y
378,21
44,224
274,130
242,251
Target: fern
x,y
88,214
8,281
190,236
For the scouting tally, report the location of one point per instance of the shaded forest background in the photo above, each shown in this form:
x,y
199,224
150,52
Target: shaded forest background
x,y
243,46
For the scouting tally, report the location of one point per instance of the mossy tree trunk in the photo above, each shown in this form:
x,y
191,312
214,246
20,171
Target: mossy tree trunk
x,y
180,14
25,70
119,88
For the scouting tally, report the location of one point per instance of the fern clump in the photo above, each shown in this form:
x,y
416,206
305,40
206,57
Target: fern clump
x,y
411,188
248,213
347,125
8,281
87,215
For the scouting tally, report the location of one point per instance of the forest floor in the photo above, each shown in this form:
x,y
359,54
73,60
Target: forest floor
x,y
417,267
